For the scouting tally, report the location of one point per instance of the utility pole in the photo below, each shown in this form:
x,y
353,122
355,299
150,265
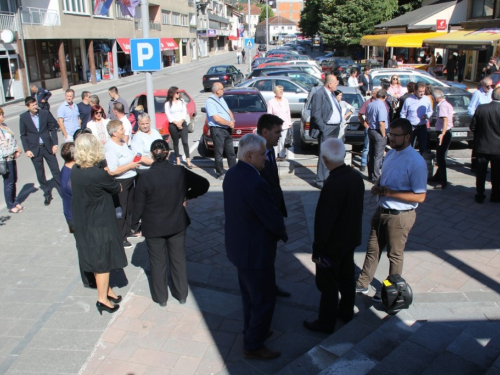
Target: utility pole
x,y
149,75
267,25
249,51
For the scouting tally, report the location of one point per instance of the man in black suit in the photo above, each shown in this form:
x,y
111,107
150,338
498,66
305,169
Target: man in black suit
x,y
38,129
337,233
269,127
253,227
326,116
487,145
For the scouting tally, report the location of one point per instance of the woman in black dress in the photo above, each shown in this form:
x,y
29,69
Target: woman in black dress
x,y
98,240
160,199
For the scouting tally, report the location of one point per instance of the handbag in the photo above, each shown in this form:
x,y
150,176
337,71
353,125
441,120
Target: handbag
x,y
4,168
289,138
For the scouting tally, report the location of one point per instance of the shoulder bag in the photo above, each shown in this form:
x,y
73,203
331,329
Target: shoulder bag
x,y
289,138
4,168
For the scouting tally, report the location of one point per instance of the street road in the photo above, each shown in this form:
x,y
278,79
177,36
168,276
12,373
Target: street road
x,y
188,77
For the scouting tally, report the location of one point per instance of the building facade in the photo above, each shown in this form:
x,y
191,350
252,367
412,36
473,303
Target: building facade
x,y
280,28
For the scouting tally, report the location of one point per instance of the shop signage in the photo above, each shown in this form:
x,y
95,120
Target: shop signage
x,y
211,32
441,25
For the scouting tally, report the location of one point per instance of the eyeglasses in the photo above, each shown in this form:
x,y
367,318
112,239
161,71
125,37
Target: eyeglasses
x,y
99,113
393,135
395,78
488,86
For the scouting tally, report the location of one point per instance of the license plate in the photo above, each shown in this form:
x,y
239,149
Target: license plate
x,y
460,134
214,79
236,143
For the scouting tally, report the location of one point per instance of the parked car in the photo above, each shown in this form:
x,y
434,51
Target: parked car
x,y
263,71
296,94
413,75
324,58
337,65
460,100
247,105
262,47
302,62
228,75
160,116
296,47
302,78
311,69
354,132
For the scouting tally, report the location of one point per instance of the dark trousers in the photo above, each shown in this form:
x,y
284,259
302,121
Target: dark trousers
x,y
331,131
375,153
126,199
258,293
460,77
40,170
157,250
222,142
330,281
420,134
391,231
175,133
9,185
482,161
88,278
441,152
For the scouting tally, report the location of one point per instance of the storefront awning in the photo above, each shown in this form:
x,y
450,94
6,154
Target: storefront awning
x,y
408,40
466,39
232,37
165,44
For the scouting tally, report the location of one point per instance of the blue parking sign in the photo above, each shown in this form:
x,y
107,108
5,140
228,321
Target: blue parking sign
x,y
145,55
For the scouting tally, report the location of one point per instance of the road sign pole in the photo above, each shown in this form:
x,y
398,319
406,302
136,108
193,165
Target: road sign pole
x,y
249,51
149,75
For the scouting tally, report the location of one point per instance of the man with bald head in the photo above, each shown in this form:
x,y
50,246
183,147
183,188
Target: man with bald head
x,y
337,233
326,116
221,122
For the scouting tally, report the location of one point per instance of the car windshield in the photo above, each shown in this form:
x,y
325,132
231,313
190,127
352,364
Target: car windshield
x,y
160,104
344,62
304,80
245,103
217,69
458,102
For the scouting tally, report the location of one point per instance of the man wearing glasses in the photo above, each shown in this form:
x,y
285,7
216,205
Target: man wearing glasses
x,y
401,187
221,122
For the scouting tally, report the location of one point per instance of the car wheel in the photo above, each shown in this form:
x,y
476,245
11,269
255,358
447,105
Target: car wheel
x,y
202,148
206,89
191,125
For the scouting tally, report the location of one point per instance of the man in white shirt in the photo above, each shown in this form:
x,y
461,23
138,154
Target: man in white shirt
x,y
142,140
119,112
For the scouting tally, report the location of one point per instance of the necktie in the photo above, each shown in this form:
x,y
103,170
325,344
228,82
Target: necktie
x,y
272,160
336,103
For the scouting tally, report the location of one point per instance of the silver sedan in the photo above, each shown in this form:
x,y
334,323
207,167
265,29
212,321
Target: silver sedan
x,y
292,91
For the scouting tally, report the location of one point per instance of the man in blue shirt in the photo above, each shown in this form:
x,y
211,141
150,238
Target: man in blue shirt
x,y
417,109
221,122
68,116
402,186
377,119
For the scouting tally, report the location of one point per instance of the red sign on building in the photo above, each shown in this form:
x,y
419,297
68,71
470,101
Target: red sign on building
x,y
441,25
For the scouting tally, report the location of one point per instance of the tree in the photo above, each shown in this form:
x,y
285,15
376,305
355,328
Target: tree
x,y
406,6
345,22
310,17
262,16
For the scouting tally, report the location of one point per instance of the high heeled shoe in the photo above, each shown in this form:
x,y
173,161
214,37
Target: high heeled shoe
x,y
101,306
115,300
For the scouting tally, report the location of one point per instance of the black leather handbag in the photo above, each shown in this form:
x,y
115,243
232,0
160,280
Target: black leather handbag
x,y
4,168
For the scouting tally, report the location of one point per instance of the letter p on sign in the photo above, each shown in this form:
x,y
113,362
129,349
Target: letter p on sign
x,y
145,54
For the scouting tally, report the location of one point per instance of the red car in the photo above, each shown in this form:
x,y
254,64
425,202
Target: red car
x,y
247,105
161,117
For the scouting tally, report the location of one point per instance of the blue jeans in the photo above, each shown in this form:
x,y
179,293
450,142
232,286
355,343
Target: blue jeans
x,y
366,148
9,185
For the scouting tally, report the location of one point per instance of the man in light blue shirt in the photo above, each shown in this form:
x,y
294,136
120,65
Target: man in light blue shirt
x,y
377,119
68,116
417,109
402,186
221,122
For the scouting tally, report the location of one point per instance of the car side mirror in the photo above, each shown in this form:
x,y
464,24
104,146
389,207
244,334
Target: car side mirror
x,y
298,91
203,110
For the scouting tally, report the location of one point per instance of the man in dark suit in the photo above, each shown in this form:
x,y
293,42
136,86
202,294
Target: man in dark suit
x,y
337,233
38,129
269,127
253,227
41,96
326,116
487,145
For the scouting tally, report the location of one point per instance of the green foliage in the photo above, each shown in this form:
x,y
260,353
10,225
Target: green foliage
x,y
406,6
310,17
262,16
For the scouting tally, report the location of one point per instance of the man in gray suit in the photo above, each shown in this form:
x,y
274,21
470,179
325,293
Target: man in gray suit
x,y
326,117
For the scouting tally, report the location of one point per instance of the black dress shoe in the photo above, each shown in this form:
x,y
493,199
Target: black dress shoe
x,y
281,292
163,304
264,354
47,200
362,168
182,301
441,185
479,198
102,307
316,326
115,300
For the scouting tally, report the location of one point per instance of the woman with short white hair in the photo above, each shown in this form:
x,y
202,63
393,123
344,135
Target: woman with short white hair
x,y
280,107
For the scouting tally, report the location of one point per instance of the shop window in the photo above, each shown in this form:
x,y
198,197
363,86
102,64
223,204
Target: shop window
x,y
165,17
176,19
76,6
184,20
482,8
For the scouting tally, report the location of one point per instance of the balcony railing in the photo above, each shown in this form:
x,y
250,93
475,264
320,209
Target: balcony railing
x,y
39,16
8,21
152,25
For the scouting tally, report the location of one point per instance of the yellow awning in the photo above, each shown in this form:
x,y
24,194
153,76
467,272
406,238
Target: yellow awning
x,y
409,40
481,37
